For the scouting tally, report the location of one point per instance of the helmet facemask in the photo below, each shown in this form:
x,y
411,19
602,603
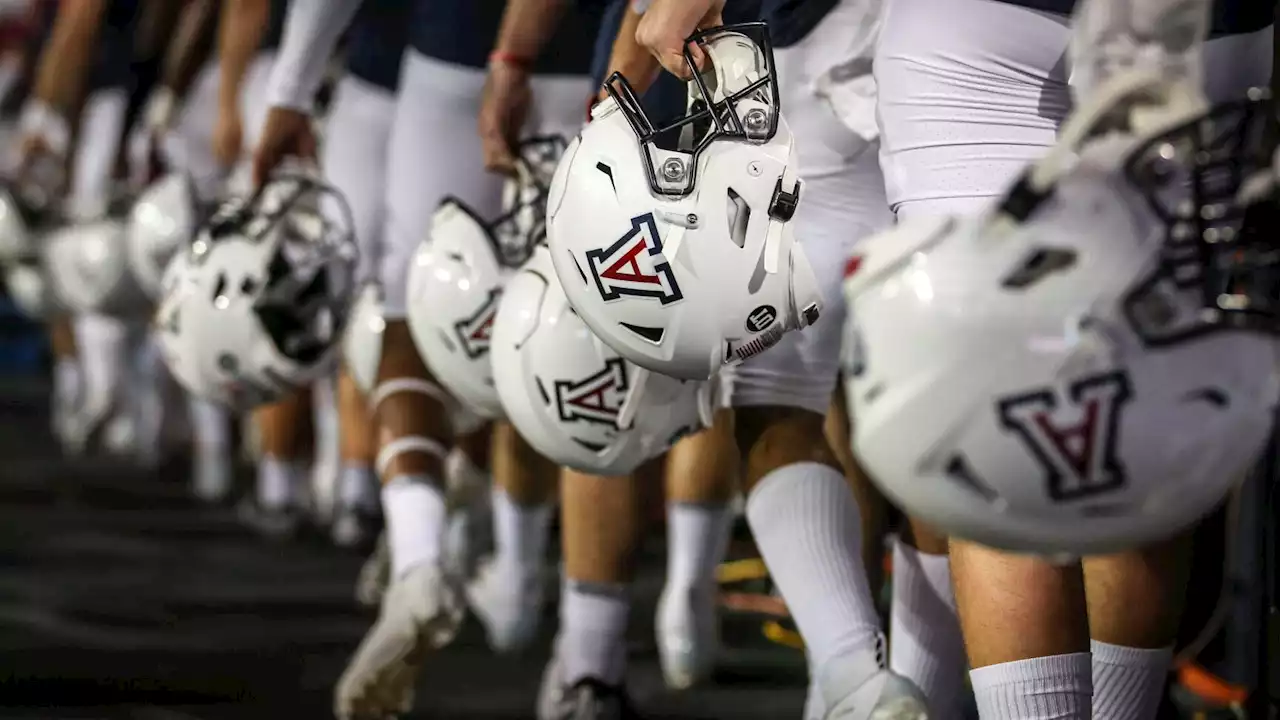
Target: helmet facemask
x,y
1210,185
522,226
302,299
740,81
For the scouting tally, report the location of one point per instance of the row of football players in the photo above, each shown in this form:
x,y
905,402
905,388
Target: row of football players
x,y
229,91
801,512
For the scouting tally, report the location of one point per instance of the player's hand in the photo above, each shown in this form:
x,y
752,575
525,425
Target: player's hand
x,y
286,133
504,106
228,137
668,23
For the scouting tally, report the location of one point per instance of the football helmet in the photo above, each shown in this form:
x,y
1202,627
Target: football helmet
x,y
457,275
87,264
1090,365
255,307
575,400
162,220
674,242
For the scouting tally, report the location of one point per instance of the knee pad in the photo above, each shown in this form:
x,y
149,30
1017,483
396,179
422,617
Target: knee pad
x,y
407,443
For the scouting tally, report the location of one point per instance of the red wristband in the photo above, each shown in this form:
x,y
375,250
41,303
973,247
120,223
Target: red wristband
x,y
502,57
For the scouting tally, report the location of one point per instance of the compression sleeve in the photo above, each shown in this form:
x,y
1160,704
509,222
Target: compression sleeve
x,y
311,32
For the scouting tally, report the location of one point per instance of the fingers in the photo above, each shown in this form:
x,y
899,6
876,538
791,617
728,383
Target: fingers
x,y
497,150
264,162
502,115
665,26
286,133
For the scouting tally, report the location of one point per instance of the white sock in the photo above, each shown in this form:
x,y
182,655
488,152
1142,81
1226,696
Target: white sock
x,y
102,344
357,487
1058,687
279,483
148,399
324,414
210,426
66,381
592,642
519,534
806,525
925,644
1128,682
697,538
415,513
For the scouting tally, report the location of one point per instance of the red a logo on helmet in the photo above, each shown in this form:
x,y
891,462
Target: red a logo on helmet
x,y
474,331
635,266
1073,435
596,399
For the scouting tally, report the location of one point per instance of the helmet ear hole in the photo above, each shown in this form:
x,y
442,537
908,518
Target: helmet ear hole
x,y
739,215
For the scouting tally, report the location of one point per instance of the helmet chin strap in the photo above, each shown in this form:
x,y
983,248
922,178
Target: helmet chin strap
x,y
773,235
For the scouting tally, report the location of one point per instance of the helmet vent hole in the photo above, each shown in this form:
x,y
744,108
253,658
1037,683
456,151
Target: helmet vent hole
x,y
248,287
608,172
739,216
220,287
652,334
1037,265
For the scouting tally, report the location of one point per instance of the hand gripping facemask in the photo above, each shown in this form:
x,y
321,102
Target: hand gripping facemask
x,y
255,308
675,241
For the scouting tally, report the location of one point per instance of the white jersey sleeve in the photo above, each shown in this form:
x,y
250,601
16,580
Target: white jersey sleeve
x,y
311,33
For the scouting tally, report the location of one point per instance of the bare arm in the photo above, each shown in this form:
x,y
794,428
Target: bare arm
x,y
65,60
527,27
156,22
191,47
629,57
240,31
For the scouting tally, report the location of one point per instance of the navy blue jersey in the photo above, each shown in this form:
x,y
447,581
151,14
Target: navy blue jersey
x,y
275,24
791,20
376,42
113,61
462,32
1230,17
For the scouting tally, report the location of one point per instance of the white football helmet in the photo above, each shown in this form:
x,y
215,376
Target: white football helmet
x,y
87,264
1081,369
674,243
573,399
254,309
458,273
162,221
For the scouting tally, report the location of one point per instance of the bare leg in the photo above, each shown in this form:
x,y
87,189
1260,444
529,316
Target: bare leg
x,y
1025,626
284,435
508,595
701,477
357,492
1135,604
602,519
